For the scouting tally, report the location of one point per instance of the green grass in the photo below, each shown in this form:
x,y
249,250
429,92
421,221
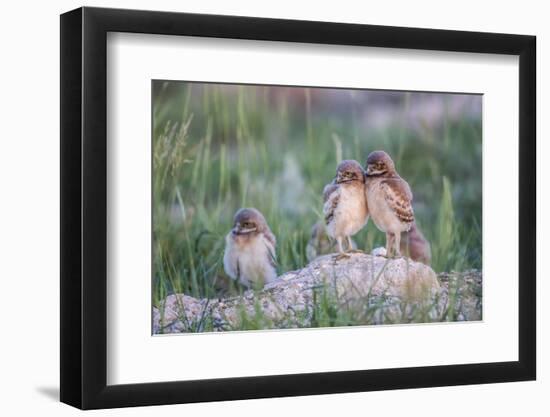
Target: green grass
x,y
216,150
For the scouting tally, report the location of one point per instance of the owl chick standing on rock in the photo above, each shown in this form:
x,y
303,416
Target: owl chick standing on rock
x,y
345,205
249,256
390,200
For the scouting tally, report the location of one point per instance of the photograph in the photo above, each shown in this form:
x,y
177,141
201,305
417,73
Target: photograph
x,y
294,207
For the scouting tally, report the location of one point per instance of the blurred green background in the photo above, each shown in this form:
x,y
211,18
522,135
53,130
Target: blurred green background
x,y
219,147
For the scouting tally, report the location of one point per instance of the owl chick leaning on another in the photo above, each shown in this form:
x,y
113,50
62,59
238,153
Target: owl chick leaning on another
x,y
345,205
390,200
249,256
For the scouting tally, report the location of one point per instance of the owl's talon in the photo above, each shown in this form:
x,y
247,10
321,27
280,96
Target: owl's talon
x,y
355,251
340,256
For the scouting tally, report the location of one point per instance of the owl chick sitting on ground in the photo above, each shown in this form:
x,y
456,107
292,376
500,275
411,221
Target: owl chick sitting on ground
x,y
413,245
390,200
249,256
345,205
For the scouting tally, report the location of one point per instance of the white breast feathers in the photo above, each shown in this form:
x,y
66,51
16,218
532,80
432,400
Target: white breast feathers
x,y
249,259
349,211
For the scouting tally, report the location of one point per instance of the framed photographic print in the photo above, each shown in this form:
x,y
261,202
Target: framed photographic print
x,y
257,208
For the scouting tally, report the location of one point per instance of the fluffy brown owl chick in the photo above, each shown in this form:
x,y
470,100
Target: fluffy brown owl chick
x,y
390,200
320,243
413,245
416,246
345,205
249,256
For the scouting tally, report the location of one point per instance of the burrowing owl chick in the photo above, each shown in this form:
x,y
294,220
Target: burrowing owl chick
x,y
413,245
320,243
390,200
416,246
249,256
345,205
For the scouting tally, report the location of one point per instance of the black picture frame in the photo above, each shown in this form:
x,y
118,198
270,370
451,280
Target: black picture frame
x,y
84,207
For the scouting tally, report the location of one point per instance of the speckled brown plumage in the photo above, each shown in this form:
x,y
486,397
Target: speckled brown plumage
x,y
389,198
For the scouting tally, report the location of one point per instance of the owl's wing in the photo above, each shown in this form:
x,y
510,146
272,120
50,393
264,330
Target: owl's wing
x,y
398,196
272,243
328,190
331,197
231,263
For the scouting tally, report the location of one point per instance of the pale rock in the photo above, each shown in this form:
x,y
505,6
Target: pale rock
x,y
374,289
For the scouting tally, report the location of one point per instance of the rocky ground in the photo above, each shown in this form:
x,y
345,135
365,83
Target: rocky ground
x,y
360,290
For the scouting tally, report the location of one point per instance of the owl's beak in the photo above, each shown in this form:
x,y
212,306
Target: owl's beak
x,y
371,170
238,230
341,179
